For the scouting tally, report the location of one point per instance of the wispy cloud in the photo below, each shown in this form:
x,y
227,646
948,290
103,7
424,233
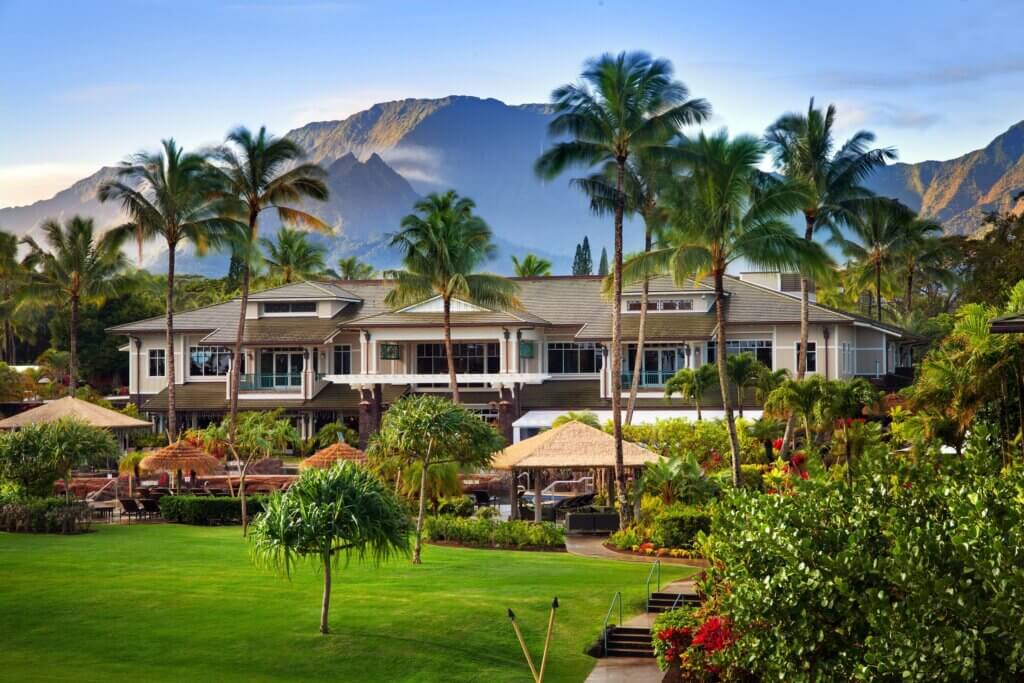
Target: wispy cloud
x,y
416,163
854,114
932,76
22,184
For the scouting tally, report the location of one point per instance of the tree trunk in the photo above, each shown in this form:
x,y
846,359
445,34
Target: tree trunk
x,y
241,496
788,436
422,512
807,434
73,379
325,605
696,402
723,378
449,350
172,414
908,304
769,452
616,354
236,356
638,363
801,358
739,399
878,289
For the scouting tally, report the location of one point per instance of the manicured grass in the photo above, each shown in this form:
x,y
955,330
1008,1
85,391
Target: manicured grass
x,y
169,602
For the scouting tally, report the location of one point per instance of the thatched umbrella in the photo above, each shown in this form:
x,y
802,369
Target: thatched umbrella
x,y
83,411
326,457
180,456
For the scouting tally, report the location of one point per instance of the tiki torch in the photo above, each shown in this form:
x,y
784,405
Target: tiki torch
x,y
522,643
547,639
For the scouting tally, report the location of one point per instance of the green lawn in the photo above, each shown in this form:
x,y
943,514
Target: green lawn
x,y
168,602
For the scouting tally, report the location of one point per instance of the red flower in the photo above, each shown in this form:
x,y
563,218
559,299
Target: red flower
x,y
714,635
798,459
803,475
777,444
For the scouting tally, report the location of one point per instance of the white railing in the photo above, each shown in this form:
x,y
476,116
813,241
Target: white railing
x,y
574,486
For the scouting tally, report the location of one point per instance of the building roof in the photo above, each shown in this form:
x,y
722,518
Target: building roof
x,y
282,331
181,456
337,452
571,445
70,407
1008,323
298,291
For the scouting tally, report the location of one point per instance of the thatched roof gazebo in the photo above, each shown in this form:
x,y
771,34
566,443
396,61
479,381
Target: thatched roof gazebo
x,y
75,408
573,445
325,458
180,456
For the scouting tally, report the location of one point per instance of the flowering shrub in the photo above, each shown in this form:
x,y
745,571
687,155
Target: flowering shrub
x,y
695,640
494,533
706,440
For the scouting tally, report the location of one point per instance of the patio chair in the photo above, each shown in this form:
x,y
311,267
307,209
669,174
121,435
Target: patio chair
x,y
482,499
130,508
151,507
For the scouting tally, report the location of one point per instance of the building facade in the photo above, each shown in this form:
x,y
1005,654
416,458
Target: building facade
x,y
326,351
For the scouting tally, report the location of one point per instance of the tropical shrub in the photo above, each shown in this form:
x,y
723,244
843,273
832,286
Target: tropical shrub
x,y
678,526
43,515
915,571
459,506
208,510
625,539
493,533
34,457
706,440
751,479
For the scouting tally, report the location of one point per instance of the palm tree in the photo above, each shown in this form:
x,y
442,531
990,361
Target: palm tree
x,y
14,290
879,233
344,511
583,416
78,268
804,151
531,266
692,384
171,194
800,398
351,268
743,370
259,174
292,256
924,253
767,381
627,104
726,209
442,248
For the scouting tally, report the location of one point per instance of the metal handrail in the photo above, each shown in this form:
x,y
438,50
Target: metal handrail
x,y
608,615
656,567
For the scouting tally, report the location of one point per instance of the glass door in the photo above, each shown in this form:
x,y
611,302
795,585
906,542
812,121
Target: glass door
x,y
287,368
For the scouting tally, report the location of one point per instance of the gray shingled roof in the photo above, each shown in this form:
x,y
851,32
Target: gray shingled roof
x,y
305,290
196,320
281,330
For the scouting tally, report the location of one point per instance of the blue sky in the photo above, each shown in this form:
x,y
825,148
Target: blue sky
x,y
84,84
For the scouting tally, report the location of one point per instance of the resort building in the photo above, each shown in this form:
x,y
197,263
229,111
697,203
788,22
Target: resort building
x,y
328,351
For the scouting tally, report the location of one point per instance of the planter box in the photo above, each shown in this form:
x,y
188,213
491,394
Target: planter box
x,y
591,522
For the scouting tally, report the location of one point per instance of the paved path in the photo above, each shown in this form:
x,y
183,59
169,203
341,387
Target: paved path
x,y
593,546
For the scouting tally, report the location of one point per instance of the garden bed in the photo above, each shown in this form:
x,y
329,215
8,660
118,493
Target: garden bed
x,y
690,558
480,546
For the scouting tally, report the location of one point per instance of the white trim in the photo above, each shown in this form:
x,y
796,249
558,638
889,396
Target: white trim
x,y
497,379
422,306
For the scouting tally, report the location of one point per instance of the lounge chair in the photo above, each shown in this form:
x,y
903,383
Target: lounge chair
x,y
130,508
482,499
150,506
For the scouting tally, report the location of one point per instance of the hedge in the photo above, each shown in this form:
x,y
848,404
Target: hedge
x,y
459,506
43,516
678,526
208,510
492,533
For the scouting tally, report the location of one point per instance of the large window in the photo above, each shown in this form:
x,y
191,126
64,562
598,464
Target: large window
x,y
470,357
289,307
157,362
572,358
812,356
660,362
634,305
761,348
209,361
343,359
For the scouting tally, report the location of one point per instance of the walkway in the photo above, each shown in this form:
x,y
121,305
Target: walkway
x,y
593,546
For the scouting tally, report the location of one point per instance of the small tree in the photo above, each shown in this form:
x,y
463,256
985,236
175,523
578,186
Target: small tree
x,y
428,430
342,511
691,384
743,370
20,465
72,443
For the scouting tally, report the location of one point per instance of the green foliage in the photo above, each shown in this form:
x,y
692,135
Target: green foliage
x,y
582,263
678,479
913,572
677,526
456,506
43,515
684,619
583,416
207,510
12,384
531,266
328,434
495,534
602,266
351,268
33,457
706,440
692,384
290,256
625,539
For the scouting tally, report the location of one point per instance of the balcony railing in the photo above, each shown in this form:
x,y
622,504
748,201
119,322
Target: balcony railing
x,y
289,383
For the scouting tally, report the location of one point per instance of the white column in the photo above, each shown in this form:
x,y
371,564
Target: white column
x,y
502,353
364,366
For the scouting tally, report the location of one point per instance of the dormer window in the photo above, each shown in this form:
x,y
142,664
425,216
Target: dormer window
x,y
667,305
289,308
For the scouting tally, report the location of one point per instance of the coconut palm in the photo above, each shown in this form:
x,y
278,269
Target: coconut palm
x,y
290,256
767,381
626,104
77,268
260,173
531,266
692,384
171,194
924,255
879,232
441,249
831,179
743,370
14,299
800,398
351,268
326,515
726,209
583,416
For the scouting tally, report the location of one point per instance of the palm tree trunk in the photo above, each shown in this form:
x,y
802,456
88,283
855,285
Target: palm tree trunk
x,y
73,379
638,362
696,402
449,351
241,496
723,378
616,354
878,289
172,415
236,357
325,605
908,303
739,399
801,359
422,512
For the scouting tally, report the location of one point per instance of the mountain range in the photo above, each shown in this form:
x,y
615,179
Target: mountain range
x,y
381,160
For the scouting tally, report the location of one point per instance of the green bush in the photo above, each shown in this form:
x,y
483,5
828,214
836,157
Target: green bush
x,y
43,515
459,506
208,510
678,526
707,440
493,533
751,478
625,539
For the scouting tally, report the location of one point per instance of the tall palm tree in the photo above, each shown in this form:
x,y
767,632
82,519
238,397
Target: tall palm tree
x,y
879,233
743,370
924,253
14,278
78,268
803,147
625,104
260,173
351,268
692,384
531,266
171,194
441,249
291,256
726,209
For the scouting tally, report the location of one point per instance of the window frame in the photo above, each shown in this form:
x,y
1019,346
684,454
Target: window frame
x,y
812,356
159,356
309,306
489,357
342,352
215,353
760,348
580,350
